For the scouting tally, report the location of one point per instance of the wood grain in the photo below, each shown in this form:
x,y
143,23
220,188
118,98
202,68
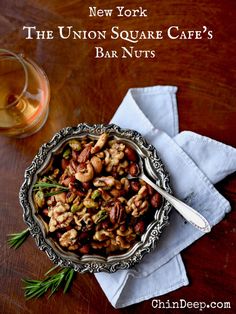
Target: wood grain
x,y
85,89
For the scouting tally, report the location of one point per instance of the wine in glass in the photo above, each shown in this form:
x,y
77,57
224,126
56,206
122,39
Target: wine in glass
x,y
24,95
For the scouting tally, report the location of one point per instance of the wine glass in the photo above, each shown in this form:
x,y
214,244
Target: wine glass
x,y
24,95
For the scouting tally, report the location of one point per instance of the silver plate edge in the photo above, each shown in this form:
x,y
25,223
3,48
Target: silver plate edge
x,y
96,264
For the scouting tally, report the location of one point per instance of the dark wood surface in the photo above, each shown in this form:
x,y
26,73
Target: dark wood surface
x,y
85,89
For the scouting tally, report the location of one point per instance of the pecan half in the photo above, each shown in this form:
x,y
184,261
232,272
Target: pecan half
x,y
117,213
84,155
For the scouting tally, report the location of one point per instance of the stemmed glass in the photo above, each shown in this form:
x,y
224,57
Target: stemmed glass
x,y
24,95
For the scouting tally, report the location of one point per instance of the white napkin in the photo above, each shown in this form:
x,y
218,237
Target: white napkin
x,y
194,163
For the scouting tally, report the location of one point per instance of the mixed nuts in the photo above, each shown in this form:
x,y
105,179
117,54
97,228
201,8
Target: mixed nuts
x,y
86,200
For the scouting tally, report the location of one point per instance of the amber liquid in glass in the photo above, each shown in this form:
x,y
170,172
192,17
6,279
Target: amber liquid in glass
x,y
23,102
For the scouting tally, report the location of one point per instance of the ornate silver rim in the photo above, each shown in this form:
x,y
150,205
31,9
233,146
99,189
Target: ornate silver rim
x,y
93,263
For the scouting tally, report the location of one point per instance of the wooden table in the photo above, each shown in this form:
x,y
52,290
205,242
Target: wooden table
x,y
86,89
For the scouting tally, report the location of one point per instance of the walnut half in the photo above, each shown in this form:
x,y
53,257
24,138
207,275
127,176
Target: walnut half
x,y
68,239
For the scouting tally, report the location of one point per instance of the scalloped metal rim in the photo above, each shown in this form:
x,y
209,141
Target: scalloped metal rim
x,y
93,263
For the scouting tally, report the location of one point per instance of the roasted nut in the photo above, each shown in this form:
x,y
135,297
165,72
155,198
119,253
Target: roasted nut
x,y
68,239
67,181
60,197
85,174
89,203
139,227
86,185
135,186
117,193
130,154
64,163
114,155
120,241
54,175
39,199
75,145
125,232
104,181
105,195
102,209
125,182
97,164
72,167
100,155
156,200
150,189
59,217
143,191
134,170
76,207
96,194
101,215
137,205
51,201
88,195
84,249
117,213
84,155
101,244
102,235
122,167
67,153
77,199
83,219
100,143
74,155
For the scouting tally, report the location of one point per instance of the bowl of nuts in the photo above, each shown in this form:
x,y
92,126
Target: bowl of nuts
x,y
85,204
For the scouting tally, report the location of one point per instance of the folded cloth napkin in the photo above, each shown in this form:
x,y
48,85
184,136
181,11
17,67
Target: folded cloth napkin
x,y
194,163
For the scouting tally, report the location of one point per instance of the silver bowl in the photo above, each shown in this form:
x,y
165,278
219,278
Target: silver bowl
x,y
153,166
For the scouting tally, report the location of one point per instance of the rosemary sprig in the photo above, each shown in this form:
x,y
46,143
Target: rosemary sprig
x,y
37,288
16,239
45,185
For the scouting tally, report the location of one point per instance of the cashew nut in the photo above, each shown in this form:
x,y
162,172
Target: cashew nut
x,y
85,174
108,181
100,143
97,164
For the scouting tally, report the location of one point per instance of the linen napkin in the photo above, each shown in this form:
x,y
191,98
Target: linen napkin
x,y
194,163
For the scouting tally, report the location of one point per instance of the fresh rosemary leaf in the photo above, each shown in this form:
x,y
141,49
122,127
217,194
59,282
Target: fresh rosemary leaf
x,y
69,279
51,270
16,239
45,185
37,288
56,284
53,193
34,288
